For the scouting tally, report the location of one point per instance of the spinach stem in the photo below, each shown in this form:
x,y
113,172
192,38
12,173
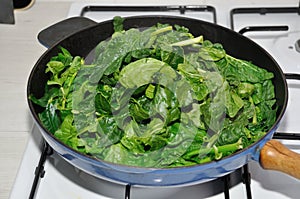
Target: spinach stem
x,y
187,42
231,147
162,30
254,119
219,149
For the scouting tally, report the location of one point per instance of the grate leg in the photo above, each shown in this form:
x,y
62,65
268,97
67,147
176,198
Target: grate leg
x,y
127,191
39,170
246,177
226,180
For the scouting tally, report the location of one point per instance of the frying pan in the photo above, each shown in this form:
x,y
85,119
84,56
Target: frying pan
x,y
86,34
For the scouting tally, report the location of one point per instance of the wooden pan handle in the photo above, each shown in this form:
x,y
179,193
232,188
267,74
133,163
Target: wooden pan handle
x,y
275,156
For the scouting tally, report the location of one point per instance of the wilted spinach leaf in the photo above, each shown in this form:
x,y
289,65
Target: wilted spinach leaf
x,y
158,97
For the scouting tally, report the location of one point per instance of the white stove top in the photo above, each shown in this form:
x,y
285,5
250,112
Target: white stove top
x,y
61,180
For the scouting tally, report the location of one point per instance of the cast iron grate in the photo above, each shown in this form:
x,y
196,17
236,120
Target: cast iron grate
x,y
47,152
148,9
262,11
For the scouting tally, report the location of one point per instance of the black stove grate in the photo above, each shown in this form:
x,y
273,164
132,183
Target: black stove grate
x,y
39,170
262,11
47,152
147,9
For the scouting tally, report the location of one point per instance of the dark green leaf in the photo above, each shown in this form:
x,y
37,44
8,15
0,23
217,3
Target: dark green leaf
x,y
50,118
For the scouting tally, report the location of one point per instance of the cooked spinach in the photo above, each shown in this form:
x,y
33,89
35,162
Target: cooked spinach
x,y
158,97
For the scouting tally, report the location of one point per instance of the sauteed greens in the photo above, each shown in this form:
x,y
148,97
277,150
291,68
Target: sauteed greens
x,y
157,97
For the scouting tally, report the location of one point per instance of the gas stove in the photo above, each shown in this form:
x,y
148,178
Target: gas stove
x,y
273,25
